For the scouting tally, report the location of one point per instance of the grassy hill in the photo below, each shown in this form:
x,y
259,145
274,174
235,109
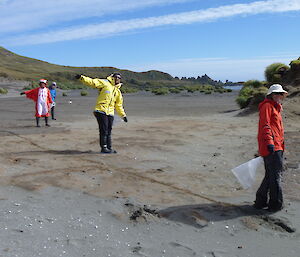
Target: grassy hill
x,y
23,68
16,67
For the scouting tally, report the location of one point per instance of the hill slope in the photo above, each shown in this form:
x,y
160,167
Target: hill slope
x,y
23,68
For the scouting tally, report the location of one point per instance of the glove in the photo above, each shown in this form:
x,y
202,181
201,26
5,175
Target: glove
x,y
125,119
22,93
77,76
271,148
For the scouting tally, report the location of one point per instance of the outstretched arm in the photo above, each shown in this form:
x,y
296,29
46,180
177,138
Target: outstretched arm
x,y
93,83
31,94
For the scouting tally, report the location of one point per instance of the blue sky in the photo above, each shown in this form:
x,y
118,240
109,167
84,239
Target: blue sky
x,y
230,39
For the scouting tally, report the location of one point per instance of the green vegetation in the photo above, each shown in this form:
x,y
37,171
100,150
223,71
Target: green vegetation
x,y
160,91
175,90
200,88
3,74
83,93
223,90
3,91
274,72
259,95
128,90
32,85
206,89
253,91
71,85
253,83
295,64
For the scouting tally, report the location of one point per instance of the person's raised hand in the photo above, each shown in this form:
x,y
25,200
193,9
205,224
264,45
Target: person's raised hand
x,y
77,76
125,119
271,149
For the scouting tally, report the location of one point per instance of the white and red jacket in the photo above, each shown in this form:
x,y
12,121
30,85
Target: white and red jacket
x,y
42,98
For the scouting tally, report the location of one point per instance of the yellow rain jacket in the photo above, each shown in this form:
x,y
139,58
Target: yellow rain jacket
x,y
110,96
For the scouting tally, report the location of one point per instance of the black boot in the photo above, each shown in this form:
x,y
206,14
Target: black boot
x,y
52,113
103,144
109,144
105,150
46,122
37,121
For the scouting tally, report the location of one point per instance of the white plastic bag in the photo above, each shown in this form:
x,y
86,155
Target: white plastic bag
x,y
246,172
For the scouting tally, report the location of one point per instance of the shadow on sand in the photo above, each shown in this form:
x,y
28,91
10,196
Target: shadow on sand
x,y
200,215
58,152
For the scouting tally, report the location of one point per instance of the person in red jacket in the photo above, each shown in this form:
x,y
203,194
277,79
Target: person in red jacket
x,y
42,98
271,146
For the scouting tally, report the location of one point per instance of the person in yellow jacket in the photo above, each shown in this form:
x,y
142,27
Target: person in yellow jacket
x,y
109,99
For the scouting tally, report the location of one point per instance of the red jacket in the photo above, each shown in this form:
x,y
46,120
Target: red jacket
x,y
33,95
270,127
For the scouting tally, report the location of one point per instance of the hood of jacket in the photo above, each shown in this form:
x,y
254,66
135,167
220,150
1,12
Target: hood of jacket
x,y
112,81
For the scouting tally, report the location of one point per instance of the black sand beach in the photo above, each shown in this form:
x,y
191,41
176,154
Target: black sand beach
x,y
168,192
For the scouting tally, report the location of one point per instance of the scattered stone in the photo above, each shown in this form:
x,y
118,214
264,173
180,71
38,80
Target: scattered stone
x,y
151,211
138,213
136,249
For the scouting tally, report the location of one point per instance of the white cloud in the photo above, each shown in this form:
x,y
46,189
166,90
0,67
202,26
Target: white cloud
x,y
123,26
217,68
20,15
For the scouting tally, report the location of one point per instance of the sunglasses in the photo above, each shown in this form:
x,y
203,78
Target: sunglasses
x,y
278,93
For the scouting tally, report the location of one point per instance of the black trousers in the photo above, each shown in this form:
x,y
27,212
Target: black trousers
x,y
105,123
271,184
52,112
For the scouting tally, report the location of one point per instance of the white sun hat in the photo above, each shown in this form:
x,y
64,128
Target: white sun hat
x,y
276,88
43,81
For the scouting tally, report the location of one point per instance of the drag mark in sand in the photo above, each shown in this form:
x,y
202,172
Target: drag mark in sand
x,y
24,138
123,171
36,180
278,223
152,180
268,222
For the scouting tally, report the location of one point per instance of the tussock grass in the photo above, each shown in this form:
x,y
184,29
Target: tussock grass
x,y
252,92
83,93
3,91
274,72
